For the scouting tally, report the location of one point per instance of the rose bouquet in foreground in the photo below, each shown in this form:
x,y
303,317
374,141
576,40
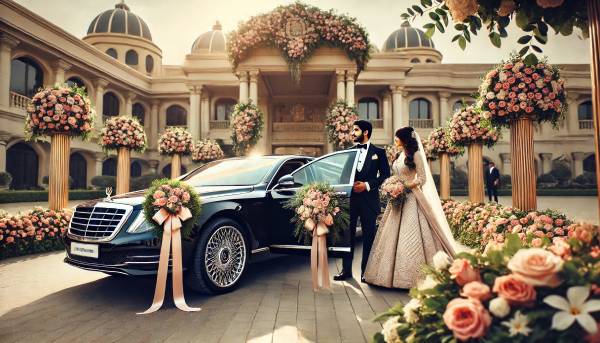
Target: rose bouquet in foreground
x,y
394,190
317,207
511,293
123,132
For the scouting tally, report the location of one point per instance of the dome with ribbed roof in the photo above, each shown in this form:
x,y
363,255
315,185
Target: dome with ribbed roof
x,y
212,41
407,37
120,20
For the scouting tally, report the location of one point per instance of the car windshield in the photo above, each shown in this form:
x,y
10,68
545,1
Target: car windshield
x,y
232,172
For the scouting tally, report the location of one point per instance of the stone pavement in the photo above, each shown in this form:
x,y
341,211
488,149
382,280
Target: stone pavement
x,y
45,300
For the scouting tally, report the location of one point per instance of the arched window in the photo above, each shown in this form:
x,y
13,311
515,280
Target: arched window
x,y
136,169
368,108
420,109
22,165
415,60
26,76
110,105
112,53
457,106
149,64
166,171
223,109
78,171
74,81
429,60
138,112
584,113
109,167
131,58
176,116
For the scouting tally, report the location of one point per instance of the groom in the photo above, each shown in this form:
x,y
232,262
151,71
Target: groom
x,y
372,169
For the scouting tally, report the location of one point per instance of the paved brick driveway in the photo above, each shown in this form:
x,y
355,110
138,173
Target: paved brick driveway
x,y
44,300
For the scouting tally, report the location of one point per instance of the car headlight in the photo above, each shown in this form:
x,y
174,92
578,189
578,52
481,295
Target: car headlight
x,y
140,224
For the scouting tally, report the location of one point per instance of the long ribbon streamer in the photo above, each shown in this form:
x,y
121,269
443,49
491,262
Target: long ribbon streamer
x,y
318,255
171,239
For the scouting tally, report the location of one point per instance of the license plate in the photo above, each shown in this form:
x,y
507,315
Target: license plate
x,y
87,250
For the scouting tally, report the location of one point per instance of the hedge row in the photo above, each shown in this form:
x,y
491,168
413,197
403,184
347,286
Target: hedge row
x,y
38,196
540,192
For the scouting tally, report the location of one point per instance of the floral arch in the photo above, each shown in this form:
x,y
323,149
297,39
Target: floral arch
x,y
297,30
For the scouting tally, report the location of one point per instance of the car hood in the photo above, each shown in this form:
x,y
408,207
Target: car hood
x,y
207,194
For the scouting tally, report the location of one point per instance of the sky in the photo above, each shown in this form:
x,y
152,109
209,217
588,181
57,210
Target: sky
x,y
175,24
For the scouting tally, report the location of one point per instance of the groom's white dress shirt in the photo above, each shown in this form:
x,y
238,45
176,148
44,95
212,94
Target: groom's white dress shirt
x,y
362,156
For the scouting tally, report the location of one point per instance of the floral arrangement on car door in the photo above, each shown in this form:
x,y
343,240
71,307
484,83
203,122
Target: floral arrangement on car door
x,y
173,207
318,212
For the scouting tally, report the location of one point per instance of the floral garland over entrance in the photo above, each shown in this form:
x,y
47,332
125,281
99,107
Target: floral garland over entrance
x,y
298,30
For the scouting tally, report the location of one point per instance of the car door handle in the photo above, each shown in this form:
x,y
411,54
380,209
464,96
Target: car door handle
x,y
343,193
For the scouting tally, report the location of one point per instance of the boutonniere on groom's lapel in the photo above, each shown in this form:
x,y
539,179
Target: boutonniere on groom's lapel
x,y
375,157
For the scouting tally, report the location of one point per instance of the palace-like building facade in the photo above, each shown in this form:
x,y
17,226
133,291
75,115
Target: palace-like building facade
x,y
404,83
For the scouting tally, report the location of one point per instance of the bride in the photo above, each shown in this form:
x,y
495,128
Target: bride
x,y
412,232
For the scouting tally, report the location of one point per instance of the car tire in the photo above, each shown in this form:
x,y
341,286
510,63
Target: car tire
x,y
220,258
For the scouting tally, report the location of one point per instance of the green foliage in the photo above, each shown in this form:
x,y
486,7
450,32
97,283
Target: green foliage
x,y
5,179
103,181
546,178
586,179
561,171
144,181
15,196
194,205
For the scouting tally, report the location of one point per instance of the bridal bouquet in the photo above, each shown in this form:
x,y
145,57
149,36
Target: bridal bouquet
x,y
514,89
317,208
59,110
509,294
471,125
207,150
439,142
175,140
246,127
123,132
393,189
339,123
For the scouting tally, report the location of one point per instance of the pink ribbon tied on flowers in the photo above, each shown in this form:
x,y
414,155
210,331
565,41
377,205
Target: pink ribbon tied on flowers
x,y
171,234
318,251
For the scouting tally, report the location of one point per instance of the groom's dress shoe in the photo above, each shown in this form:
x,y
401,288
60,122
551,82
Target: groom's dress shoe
x,y
342,276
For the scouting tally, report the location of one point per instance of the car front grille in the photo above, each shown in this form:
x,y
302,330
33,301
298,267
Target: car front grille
x,y
98,223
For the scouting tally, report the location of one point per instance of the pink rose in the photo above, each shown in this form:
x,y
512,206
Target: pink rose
x,y
467,318
462,271
477,290
513,290
536,266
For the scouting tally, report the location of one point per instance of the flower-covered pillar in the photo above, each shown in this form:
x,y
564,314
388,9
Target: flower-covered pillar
x,y
471,127
58,182
594,23
123,170
440,145
444,176
175,142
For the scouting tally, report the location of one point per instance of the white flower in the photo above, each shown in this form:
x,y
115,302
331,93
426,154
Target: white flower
x,y
390,330
428,283
441,260
518,325
410,310
575,308
499,307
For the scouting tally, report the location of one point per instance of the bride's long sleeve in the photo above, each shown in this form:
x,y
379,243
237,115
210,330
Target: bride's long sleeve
x,y
420,176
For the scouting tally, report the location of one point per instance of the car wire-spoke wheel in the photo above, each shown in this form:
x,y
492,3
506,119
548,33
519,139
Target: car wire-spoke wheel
x,y
225,256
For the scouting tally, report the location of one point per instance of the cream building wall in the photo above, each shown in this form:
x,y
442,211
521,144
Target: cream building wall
x,y
407,68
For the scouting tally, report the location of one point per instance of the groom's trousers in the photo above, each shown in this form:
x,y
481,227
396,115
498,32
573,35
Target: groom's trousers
x,y
359,208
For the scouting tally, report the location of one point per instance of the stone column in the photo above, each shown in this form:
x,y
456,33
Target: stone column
x,y
388,125
154,125
60,67
98,105
397,106
572,115
153,166
194,121
546,162
578,163
350,76
99,159
7,43
341,85
205,113
505,158
129,104
444,109
243,76
3,143
253,85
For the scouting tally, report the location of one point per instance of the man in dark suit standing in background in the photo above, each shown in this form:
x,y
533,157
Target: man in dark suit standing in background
x,y
372,169
492,180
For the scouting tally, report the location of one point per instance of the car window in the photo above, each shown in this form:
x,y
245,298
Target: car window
x,y
232,172
287,168
334,169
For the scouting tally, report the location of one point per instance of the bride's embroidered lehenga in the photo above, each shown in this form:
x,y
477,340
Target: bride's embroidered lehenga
x,y
409,234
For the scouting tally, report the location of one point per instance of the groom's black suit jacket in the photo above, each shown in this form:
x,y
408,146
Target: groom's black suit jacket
x,y
374,171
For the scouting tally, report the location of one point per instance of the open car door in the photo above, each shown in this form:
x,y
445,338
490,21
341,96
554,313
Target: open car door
x,y
336,169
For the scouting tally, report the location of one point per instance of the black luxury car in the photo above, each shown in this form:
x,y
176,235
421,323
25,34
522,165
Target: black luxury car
x,y
242,214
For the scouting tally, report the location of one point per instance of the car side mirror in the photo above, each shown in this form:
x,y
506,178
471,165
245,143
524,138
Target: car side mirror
x,y
286,181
